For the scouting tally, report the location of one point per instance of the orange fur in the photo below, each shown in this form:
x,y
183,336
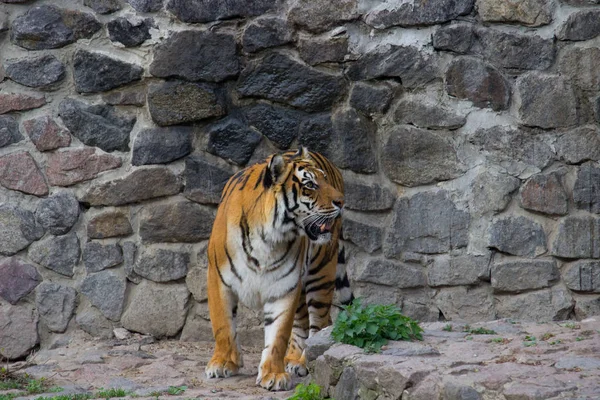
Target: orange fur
x,y
274,245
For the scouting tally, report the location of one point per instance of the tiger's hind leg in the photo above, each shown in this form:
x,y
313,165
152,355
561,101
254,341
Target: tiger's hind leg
x,y
222,304
295,362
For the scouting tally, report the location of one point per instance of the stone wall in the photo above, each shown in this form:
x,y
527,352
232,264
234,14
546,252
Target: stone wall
x,y
467,132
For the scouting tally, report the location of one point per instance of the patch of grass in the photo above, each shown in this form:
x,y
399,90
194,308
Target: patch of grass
x,y
371,326
311,391
10,384
176,390
10,396
111,393
35,386
571,325
530,341
469,337
447,328
78,396
499,340
481,331
547,336
579,339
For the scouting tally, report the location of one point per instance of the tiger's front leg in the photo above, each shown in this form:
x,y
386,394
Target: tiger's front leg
x,y
222,304
279,318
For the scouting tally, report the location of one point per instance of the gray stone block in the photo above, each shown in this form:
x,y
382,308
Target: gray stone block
x,y
95,72
156,309
18,229
577,237
414,157
418,14
97,125
232,140
50,27
426,223
520,275
280,78
40,72
586,192
182,221
106,291
162,265
583,276
17,279
56,304
518,236
57,253
58,213
98,257
161,145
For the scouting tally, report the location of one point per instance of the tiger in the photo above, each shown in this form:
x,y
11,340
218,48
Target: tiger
x,y
275,245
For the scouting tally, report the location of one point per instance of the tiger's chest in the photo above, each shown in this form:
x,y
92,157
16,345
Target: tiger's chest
x,y
264,272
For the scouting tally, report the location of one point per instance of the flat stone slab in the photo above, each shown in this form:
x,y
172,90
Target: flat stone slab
x,y
451,362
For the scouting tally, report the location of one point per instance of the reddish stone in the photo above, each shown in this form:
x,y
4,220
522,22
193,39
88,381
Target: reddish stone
x,y
18,171
545,194
17,279
46,134
19,102
66,168
109,224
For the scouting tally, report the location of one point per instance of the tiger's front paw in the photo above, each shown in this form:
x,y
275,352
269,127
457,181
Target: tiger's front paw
x,y
275,381
220,368
296,366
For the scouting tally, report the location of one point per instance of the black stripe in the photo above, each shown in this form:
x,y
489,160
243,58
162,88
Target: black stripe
x,y
290,290
291,242
341,283
318,304
233,269
221,277
324,285
245,181
314,327
246,244
319,266
314,280
260,178
342,256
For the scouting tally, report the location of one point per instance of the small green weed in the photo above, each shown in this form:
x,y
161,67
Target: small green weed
x,y
579,339
35,386
481,331
554,342
110,393
547,336
371,326
79,396
447,328
176,390
307,392
530,341
469,337
571,325
498,340
10,384
10,396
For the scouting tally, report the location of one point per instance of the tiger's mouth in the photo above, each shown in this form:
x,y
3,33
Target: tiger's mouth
x,y
319,228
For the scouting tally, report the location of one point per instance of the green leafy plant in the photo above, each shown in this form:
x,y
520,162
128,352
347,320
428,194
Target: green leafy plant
x,y
110,393
447,328
530,341
481,331
176,390
371,326
311,391
498,340
35,386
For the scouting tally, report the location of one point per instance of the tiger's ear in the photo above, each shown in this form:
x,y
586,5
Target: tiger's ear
x,y
302,153
275,169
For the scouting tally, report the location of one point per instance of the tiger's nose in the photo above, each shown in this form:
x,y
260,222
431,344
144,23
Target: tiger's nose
x,y
339,203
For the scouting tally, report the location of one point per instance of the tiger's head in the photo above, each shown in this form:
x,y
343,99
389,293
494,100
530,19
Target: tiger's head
x,y
312,202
